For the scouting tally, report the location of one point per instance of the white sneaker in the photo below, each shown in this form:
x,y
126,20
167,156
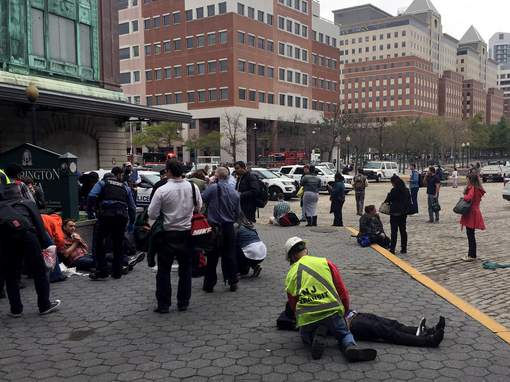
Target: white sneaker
x,y
421,327
52,308
468,259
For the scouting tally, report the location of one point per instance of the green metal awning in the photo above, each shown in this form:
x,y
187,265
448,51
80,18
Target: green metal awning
x,y
93,106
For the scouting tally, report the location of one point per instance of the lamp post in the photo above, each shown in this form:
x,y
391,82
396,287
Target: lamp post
x,y
348,141
32,94
462,153
468,154
338,141
313,145
255,141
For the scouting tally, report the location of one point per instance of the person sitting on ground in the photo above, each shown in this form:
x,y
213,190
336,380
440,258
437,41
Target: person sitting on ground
x,y
371,327
281,208
319,298
75,251
251,251
371,227
53,227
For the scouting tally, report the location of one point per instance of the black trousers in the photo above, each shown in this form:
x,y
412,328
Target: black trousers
x,y
337,207
398,223
370,327
243,263
249,210
174,245
471,242
26,251
226,250
114,227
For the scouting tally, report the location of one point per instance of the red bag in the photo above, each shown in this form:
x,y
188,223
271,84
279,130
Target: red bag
x,y
202,234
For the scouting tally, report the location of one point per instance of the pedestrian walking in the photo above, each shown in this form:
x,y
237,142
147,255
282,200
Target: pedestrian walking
x,y
319,299
399,199
311,184
22,238
414,187
115,207
337,198
175,201
223,210
248,187
473,220
455,177
360,183
433,186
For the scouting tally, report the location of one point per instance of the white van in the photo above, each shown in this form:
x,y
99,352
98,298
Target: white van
x,y
379,171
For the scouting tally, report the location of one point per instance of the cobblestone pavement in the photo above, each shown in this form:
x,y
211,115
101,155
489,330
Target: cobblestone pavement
x,y
106,331
435,249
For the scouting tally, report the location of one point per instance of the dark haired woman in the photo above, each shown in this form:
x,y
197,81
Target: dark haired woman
x,y
399,199
473,220
337,200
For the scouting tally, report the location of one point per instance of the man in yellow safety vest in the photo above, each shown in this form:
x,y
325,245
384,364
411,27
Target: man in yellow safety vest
x,y
319,299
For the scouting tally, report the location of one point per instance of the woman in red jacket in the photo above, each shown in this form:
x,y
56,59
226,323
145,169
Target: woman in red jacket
x,y
473,220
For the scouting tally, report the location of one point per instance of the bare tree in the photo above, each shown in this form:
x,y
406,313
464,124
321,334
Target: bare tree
x,y
233,134
333,127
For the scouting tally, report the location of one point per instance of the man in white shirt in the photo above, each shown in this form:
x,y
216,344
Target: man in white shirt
x,y
174,202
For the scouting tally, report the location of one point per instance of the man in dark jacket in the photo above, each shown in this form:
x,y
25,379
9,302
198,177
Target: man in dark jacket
x,y
248,187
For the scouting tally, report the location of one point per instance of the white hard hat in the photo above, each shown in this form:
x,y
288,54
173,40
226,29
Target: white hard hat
x,y
291,243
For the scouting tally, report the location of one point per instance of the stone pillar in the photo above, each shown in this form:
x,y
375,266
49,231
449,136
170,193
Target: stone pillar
x,y
275,144
111,144
185,133
236,127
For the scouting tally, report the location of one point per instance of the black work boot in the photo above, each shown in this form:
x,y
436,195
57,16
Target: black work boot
x,y
314,221
355,354
319,342
308,221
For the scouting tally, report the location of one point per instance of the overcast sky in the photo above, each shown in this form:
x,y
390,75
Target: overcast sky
x,y
488,16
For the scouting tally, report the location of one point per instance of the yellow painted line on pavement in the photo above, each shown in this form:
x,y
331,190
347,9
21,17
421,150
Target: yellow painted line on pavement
x,y
495,327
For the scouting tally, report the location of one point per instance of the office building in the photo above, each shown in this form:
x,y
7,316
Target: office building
x,y
499,48
504,85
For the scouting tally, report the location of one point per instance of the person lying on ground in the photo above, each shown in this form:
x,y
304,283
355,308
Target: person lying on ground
x,y
371,327
319,298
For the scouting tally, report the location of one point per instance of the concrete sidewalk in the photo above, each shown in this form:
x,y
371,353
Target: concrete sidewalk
x,y
106,331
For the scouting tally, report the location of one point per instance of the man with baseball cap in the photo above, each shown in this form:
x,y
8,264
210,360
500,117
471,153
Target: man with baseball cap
x,y
319,299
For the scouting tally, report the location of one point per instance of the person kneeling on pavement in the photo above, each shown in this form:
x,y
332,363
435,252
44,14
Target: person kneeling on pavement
x,y
251,251
371,230
371,327
319,298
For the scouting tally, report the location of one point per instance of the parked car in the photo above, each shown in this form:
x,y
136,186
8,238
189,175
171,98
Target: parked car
x,y
495,171
144,190
325,174
506,189
379,171
275,184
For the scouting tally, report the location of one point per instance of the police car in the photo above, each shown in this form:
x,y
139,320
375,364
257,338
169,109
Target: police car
x,y
144,190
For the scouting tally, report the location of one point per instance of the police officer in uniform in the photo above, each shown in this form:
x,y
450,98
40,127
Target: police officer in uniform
x,y
318,296
115,206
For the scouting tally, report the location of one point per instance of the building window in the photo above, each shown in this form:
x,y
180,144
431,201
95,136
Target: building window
x,y
62,39
251,40
190,69
189,16
252,95
156,22
251,68
261,43
223,65
125,78
201,68
282,99
167,46
211,67
157,48
281,74
168,73
147,24
136,76
166,20
211,39
200,12
177,44
224,94
270,19
38,33
222,8
261,70
148,75
241,65
200,41
191,97
240,37
251,13
123,28
201,96
158,74
270,98
260,16
177,71
262,97
124,53
148,100
223,37
189,42
178,97
177,17
270,46
168,99
213,95
270,72
240,9
134,26
242,93
211,10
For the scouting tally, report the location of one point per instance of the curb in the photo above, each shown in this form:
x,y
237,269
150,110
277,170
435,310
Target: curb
x,y
495,327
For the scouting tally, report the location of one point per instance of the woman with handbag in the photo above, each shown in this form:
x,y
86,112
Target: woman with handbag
x,y
473,219
337,200
399,199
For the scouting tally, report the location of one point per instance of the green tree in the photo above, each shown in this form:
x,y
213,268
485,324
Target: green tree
x,y
159,135
499,135
210,141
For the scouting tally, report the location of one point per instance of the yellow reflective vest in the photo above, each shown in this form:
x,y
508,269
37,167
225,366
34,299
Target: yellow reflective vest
x,y
4,179
310,280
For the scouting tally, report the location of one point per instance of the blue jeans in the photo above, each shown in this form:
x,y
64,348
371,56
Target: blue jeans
x,y
430,200
414,199
337,327
84,263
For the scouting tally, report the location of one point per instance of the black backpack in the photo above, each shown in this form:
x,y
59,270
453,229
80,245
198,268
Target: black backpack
x,y
13,223
263,196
